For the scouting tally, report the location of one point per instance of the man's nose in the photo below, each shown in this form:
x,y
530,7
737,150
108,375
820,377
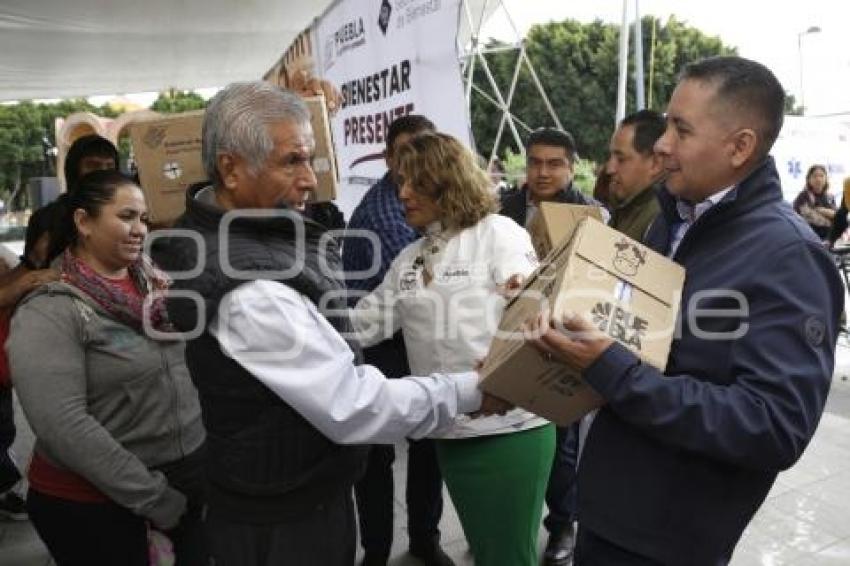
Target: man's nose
x,y
662,144
307,180
610,166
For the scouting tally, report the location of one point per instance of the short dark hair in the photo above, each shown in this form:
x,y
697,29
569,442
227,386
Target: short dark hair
x,y
42,221
86,146
748,85
411,124
94,190
554,137
649,126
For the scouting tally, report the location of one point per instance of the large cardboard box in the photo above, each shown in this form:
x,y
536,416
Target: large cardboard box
x,y
628,291
168,155
167,151
555,222
324,162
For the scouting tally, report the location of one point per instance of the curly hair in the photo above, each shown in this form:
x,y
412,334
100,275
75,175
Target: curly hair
x,y
440,167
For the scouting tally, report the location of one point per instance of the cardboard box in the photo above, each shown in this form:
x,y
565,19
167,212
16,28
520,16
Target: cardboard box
x,y
324,162
628,291
168,155
167,150
555,222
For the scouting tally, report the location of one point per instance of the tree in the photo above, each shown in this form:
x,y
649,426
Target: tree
x,y
26,131
172,101
578,67
791,106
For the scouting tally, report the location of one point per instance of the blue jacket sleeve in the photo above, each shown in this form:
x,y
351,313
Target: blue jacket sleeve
x,y
763,414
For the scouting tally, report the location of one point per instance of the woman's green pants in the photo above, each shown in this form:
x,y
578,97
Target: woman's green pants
x,y
497,484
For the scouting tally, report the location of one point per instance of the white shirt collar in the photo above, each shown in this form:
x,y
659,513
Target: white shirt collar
x,y
691,212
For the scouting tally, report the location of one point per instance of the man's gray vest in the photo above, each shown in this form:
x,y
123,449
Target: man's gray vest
x,y
266,462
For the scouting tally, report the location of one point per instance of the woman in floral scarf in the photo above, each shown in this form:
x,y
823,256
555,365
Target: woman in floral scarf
x,y
103,382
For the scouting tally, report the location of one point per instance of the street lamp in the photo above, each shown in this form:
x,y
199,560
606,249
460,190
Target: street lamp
x,y
812,29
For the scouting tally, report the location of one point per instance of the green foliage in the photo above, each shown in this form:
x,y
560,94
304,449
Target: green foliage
x,y
584,171
791,106
174,101
23,126
25,129
584,175
578,66
514,163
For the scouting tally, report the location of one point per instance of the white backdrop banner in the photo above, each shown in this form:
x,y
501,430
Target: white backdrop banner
x,y
389,58
806,141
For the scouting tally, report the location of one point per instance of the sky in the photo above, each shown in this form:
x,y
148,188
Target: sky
x,y
762,30
766,31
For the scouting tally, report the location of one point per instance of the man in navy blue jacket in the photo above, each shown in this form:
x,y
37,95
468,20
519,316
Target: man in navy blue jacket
x,y
677,463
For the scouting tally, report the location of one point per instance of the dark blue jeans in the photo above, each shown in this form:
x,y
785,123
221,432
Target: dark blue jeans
x,y
561,492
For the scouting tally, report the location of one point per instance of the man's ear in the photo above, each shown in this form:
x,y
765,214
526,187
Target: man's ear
x,y
656,166
228,170
744,144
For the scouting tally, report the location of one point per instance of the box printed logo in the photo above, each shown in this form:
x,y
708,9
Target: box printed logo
x,y
172,170
628,258
619,324
154,136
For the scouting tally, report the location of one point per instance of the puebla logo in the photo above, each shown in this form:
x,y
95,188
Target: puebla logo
x,y
618,323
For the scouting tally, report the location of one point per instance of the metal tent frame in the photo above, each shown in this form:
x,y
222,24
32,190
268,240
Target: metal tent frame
x,y
474,53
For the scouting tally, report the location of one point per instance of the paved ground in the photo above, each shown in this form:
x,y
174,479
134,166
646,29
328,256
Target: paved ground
x,y
804,521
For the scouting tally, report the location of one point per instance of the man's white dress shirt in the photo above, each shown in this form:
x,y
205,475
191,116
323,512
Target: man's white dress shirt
x,y
279,337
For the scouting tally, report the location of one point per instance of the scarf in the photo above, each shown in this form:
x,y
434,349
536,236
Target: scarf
x,y
125,308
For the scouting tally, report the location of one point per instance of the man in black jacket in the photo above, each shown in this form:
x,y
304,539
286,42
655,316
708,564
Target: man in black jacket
x,y
677,463
550,159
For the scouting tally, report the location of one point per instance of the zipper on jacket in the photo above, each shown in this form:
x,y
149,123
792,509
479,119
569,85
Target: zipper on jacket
x,y
175,400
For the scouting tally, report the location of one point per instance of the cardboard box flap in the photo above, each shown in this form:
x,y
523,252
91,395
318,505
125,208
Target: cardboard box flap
x,y
563,219
556,222
548,268
630,261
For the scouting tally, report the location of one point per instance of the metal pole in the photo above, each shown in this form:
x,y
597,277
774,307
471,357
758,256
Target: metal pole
x,y
624,64
501,100
811,29
507,111
651,61
470,63
639,88
800,55
539,86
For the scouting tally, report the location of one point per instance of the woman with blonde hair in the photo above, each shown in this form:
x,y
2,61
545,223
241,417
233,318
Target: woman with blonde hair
x,y
445,291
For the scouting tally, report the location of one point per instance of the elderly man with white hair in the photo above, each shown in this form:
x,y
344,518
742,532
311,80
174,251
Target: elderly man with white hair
x,y
279,384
